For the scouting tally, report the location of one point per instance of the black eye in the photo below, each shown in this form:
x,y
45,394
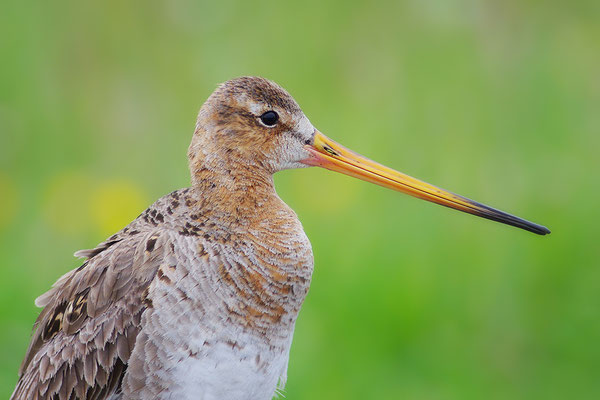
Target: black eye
x,y
269,118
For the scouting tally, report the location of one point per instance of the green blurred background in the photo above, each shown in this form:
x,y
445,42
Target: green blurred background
x,y
495,100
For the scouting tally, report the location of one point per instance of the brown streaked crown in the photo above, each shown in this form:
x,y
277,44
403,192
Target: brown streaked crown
x,y
258,89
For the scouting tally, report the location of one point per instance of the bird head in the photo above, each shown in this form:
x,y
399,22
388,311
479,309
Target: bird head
x,y
252,124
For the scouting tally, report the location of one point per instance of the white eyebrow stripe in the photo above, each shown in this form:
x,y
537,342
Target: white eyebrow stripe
x,y
255,108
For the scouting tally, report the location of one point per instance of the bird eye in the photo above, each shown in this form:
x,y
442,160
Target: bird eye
x,y
269,118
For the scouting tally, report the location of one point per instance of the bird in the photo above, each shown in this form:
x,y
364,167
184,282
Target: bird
x,y
198,297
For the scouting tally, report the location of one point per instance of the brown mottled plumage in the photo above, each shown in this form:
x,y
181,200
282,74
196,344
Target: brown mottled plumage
x,y
198,296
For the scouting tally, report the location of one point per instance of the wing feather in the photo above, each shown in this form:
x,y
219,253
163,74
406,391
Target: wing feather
x,y
84,336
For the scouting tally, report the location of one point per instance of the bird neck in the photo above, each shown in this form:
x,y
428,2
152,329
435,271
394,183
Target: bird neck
x,y
235,179
239,193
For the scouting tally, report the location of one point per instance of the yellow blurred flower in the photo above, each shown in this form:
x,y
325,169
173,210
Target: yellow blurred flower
x,y
65,200
75,203
114,204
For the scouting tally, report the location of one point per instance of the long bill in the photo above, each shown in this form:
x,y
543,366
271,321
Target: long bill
x,y
332,156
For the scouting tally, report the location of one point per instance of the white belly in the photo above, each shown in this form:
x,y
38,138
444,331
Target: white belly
x,y
226,371
207,367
